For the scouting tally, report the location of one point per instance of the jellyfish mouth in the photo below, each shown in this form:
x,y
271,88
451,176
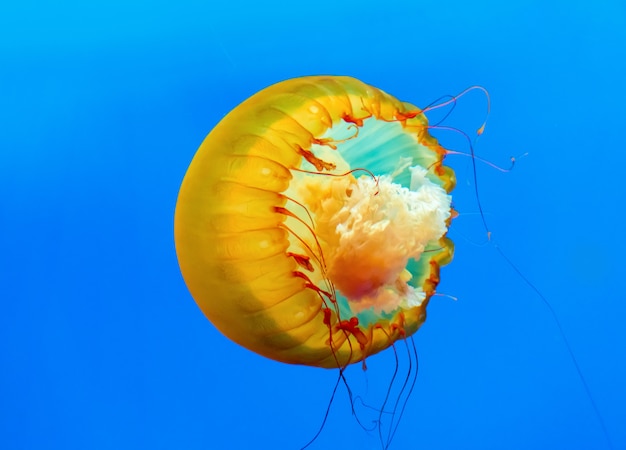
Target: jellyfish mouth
x,y
370,229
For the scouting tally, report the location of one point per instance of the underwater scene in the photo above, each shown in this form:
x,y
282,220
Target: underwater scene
x,y
328,224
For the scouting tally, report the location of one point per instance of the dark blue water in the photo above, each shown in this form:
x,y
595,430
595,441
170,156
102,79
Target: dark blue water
x,y
101,110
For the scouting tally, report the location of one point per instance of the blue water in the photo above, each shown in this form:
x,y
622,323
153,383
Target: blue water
x,y
101,110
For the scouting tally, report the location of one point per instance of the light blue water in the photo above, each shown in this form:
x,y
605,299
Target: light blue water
x,y
101,110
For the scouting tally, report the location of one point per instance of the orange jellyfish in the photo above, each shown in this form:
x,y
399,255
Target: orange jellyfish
x,y
311,224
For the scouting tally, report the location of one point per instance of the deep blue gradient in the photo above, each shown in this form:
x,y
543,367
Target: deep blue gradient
x,y
101,110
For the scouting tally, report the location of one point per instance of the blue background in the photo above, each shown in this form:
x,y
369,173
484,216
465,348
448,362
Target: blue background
x,y
102,106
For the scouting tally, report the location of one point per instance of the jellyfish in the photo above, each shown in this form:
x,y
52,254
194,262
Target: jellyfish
x,y
310,226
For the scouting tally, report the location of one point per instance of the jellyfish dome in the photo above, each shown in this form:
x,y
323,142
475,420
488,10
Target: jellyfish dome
x,y
311,224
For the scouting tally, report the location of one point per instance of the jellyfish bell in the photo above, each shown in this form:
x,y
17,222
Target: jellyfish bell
x,y
311,224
